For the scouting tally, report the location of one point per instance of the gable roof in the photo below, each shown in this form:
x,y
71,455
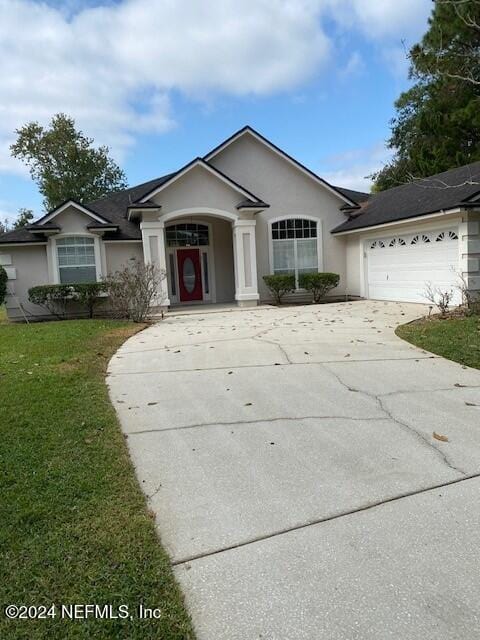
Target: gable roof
x,y
62,207
250,131
443,191
200,162
113,209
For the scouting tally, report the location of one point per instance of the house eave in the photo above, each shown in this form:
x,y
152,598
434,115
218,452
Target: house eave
x,y
71,203
420,218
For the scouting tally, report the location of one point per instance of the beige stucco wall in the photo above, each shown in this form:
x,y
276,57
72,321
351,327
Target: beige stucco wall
x,y
288,191
196,189
30,265
73,221
223,257
118,254
353,265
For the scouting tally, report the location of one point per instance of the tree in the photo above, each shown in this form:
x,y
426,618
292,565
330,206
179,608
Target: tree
x,y
25,216
4,226
437,124
64,164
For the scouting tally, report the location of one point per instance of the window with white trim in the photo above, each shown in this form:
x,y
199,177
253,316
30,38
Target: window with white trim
x,y
76,260
295,248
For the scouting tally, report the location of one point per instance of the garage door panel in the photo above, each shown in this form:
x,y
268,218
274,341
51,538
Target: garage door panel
x,y
402,271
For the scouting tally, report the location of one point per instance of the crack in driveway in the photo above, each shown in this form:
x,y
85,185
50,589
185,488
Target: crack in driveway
x,y
403,425
252,422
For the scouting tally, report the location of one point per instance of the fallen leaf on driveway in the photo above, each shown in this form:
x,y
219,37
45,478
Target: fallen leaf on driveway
x,y
457,384
471,404
248,404
437,436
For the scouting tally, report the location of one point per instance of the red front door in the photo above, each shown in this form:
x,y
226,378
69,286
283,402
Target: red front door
x,y
189,274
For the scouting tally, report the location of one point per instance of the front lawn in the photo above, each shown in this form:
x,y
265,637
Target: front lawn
x,y
74,525
457,339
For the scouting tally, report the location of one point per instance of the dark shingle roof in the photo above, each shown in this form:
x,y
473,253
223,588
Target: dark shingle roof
x,y
351,194
112,208
247,203
20,236
445,190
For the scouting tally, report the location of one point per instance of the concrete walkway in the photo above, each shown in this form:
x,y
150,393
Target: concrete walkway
x,y
289,458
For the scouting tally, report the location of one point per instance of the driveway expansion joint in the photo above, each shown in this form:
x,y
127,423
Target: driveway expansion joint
x,y
337,516
272,364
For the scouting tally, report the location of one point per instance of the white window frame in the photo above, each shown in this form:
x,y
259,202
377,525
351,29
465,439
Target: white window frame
x,y
318,221
52,255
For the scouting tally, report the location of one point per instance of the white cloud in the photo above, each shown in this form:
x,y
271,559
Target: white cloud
x,y
383,19
351,168
106,64
354,66
113,66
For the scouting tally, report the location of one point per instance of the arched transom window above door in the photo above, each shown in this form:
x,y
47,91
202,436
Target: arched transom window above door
x,y
295,246
190,234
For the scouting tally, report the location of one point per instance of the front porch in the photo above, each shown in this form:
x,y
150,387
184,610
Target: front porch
x,y
209,257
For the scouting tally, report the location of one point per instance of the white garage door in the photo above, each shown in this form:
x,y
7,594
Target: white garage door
x,y
400,266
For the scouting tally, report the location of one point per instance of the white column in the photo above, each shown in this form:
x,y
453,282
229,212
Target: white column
x,y
245,259
153,239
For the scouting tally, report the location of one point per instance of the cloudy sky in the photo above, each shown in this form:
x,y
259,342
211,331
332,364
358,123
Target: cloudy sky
x,y
161,81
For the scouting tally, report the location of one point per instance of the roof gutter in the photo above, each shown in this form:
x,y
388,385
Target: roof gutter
x,y
428,216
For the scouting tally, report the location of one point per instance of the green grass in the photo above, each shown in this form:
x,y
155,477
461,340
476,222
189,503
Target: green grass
x,y
3,314
74,525
457,339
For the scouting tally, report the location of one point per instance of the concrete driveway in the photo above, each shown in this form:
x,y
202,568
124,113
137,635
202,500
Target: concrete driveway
x,y
288,456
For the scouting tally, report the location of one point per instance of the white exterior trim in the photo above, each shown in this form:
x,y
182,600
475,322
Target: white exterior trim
x,y
282,154
23,244
245,261
71,203
122,241
384,225
198,163
296,217
198,211
156,229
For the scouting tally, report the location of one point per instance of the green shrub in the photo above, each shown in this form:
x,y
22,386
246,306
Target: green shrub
x,y
318,283
55,297
3,285
89,294
279,285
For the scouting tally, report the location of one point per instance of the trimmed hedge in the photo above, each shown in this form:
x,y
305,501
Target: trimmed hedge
x,y
318,283
55,297
3,285
279,285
